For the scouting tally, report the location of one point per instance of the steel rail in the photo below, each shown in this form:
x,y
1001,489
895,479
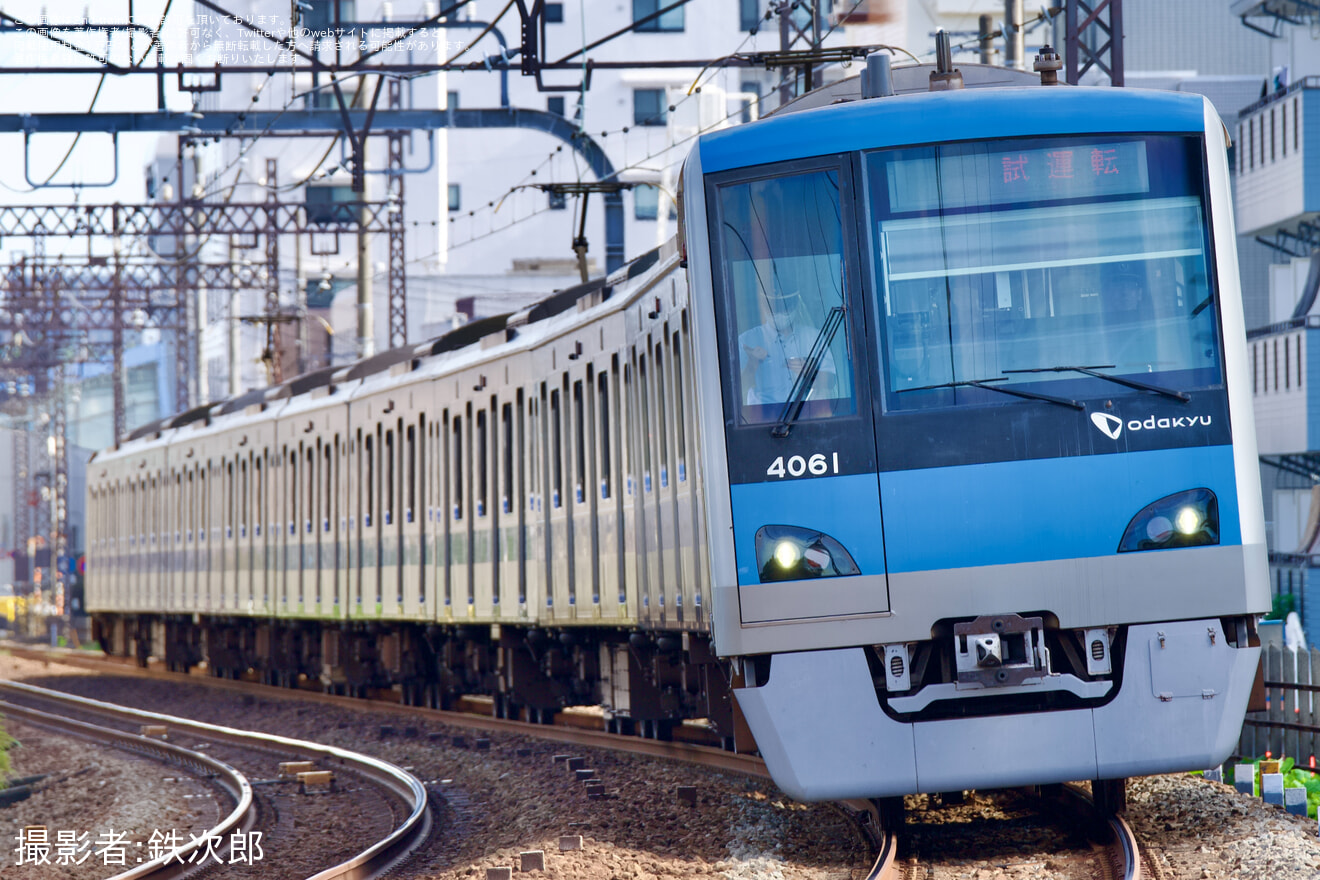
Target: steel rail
x,y
1123,848
235,784
706,756
375,861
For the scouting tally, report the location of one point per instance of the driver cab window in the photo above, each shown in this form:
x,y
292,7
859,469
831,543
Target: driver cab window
x,y
784,275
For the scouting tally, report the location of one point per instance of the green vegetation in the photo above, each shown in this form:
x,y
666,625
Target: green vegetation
x,y
1282,607
1293,777
7,742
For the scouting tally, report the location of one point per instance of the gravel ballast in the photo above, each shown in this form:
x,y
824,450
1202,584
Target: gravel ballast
x,y
494,805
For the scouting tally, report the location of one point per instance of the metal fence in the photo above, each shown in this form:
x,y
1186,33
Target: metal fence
x,y
1290,727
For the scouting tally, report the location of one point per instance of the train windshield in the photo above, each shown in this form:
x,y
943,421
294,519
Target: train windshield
x,y
1011,264
785,275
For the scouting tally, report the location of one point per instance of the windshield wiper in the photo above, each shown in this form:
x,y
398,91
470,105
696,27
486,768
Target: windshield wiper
x,y
1118,380
797,396
985,383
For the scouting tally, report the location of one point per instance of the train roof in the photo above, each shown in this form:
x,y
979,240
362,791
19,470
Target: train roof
x,y
943,117
297,388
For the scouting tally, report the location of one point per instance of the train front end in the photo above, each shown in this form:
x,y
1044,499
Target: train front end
x,y
982,488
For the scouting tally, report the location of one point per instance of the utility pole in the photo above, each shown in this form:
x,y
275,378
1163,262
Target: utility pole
x,y
986,40
366,329
235,328
1015,39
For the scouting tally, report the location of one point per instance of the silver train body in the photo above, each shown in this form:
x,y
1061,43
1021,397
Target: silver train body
x,y
602,500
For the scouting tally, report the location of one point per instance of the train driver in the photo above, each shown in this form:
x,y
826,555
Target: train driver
x,y
773,353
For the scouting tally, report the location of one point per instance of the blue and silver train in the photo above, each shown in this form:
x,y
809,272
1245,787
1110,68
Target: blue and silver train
x,y
993,513
922,461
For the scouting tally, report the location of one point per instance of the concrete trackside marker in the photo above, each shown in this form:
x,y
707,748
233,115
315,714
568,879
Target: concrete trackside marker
x,y
316,780
505,873
532,861
1271,788
1244,778
1215,774
570,842
291,769
576,764
584,775
155,731
1294,801
687,794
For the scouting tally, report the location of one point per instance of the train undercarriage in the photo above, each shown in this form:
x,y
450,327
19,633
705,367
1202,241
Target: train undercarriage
x,y
648,683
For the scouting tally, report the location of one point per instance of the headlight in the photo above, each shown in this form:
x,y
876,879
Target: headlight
x,y
789,553
1187,519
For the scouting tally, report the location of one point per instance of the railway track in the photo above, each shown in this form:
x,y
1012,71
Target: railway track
x,y
1120,858
100,722
1080,841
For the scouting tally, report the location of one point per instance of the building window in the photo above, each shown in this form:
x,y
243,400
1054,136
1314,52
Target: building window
x,y
319,15
555,104
328,205
649,107
557,201
451,100
671,21
749,87
554,13
455,197
749,14
646,202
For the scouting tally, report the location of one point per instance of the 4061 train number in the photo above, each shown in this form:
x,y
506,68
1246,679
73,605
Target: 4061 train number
x,y
800,466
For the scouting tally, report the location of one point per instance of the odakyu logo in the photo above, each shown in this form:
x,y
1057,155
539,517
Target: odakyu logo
x,y
1112,426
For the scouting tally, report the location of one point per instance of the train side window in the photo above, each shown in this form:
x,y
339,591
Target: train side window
x,y
680,406
480,447
603,407
534,450
369,453
410,440
309,477
662,412
506,458
328,484
243,506
645,405
580,445
457,482
259,493
230,512
387,510
556,452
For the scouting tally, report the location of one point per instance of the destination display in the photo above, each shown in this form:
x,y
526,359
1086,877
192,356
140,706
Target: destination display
x,y
965,175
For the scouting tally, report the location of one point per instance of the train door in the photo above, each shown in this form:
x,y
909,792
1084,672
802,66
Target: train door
x,y
328,589
535,552
444,517
215,533
271,533
799,432
460,583
649,529
257,601
508,507
484,564
243,598
322,586
685,537
356,511
432,581
633,559
584,498
690,472
557,525
609,532
671,582
411,523
309,594
387,593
